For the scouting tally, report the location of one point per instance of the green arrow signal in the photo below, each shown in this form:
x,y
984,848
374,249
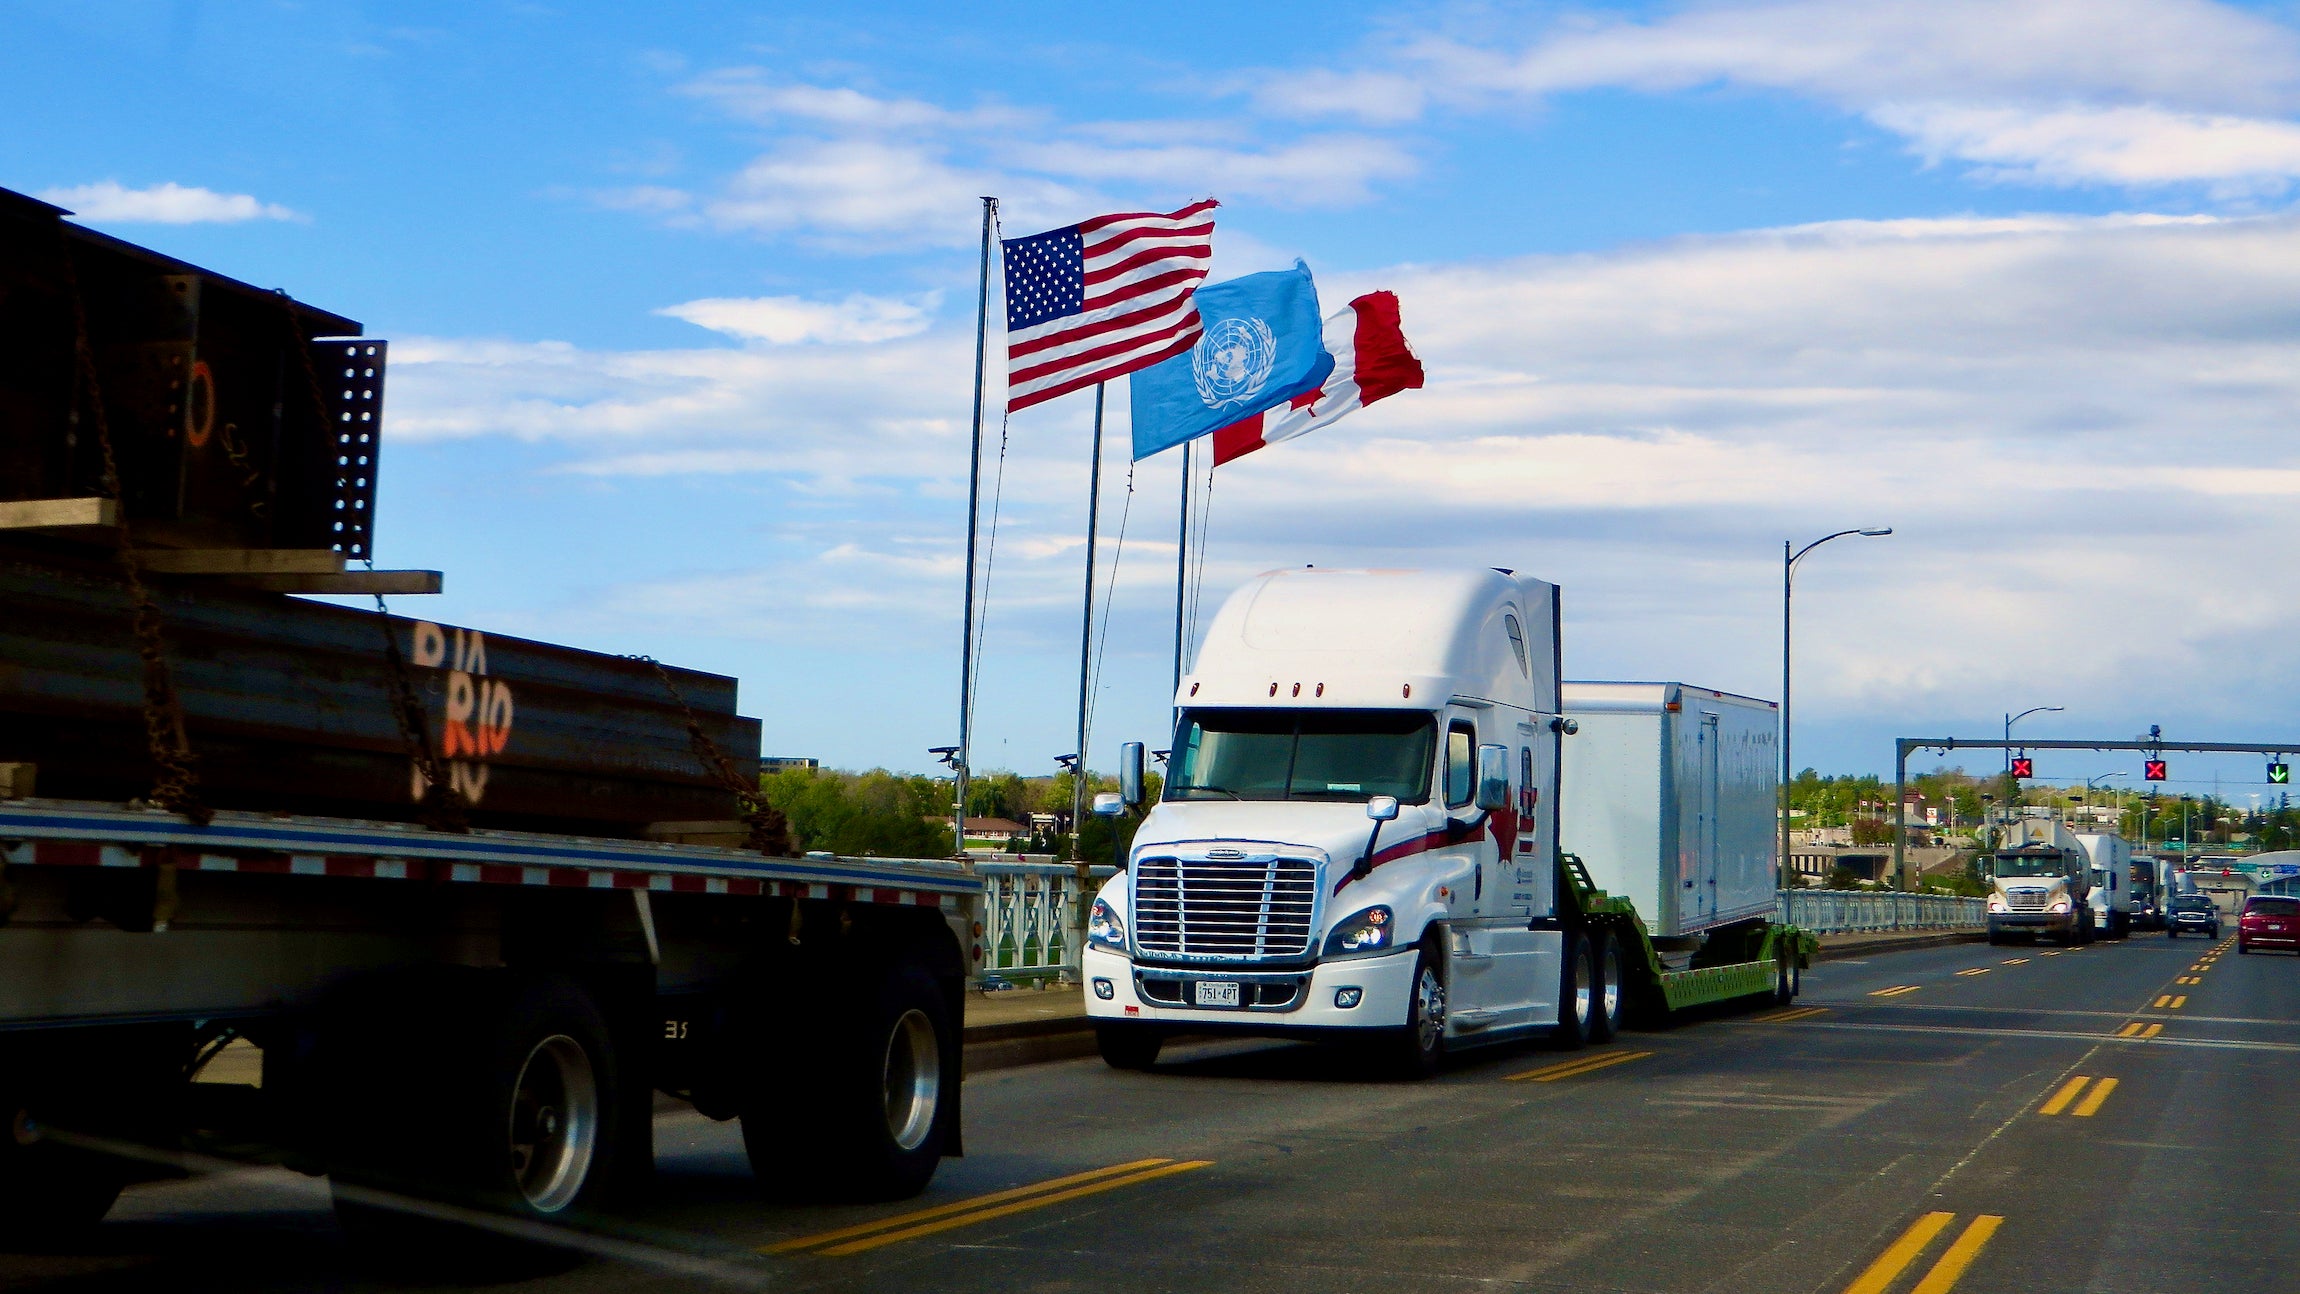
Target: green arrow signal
x,y
2280,773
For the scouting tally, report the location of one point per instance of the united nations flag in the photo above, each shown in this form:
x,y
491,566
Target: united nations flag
x,y
1263,345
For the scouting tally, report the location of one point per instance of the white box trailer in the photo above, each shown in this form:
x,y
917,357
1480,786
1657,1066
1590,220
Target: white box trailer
x,y
1667,794
2112,895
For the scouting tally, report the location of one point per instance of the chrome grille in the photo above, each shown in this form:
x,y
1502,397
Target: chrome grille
x,y
1252,909
2025,900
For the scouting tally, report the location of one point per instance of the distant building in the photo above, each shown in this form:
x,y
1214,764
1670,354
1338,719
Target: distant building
x,y
784,763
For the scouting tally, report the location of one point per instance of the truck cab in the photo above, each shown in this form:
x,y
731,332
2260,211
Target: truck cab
x,y
1357,835
2041,883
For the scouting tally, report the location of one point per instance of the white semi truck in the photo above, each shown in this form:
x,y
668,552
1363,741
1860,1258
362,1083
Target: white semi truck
x,y
2041,883
2112,892
1359,839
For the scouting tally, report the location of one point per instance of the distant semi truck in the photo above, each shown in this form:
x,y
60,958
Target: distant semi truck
x,y
2112,896
2041,884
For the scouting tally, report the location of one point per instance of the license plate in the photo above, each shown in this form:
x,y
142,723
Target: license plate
x,y
1215,993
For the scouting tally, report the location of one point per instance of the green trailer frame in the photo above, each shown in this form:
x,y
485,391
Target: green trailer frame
x,y
1742,960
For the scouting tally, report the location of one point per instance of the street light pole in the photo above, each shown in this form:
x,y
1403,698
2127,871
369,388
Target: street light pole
x,y
1789,560
2012,719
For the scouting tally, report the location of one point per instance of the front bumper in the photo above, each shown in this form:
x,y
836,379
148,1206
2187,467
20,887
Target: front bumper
x,y
1384,984
2029,922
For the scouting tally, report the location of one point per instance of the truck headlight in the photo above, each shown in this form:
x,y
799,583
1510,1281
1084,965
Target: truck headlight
x,y
1103,926
1996,902
2059,905
1367,932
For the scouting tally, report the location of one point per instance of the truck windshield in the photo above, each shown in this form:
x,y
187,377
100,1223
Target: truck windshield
x,y
2053,863
1303,755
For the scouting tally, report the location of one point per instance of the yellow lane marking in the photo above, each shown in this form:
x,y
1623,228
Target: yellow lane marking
x,y
2167,1002
1896,1258
2016,961
2055,953
1896,990
1793,1013
2067,1093
1004,1210
959,1206
2189,979
2129,1030
2090,1105
2152,1030
1576,1068
1977,970
1968,1245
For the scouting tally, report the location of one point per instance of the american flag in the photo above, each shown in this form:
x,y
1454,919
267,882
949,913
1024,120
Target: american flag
x,y
1102,298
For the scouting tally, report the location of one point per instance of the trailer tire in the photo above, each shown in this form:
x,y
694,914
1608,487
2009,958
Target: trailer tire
x,y
496,1093
1128,1046
870,1121
1573,994
50,1194
1608,995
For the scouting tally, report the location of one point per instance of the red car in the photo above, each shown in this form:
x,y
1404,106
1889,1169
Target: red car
x,y
2269,921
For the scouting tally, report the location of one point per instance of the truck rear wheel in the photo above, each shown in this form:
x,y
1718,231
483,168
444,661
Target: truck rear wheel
x,y
1607,996
1128,1046
490,1092
867,1121
1574,996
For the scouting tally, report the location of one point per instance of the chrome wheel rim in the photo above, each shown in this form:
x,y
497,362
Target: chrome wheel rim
x,y
1429,1009
1611,966
912,1080
1581,990
554,1123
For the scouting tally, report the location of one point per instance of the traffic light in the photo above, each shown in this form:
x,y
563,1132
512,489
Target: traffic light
x,y
2280,773
2023,766
2152,770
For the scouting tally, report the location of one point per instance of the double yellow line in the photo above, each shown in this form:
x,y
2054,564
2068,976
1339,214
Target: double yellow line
x,y
2168,1002
1576,1068
1793,1013
2138,1030
1896,990
1880,1275
982,1208
2086,1108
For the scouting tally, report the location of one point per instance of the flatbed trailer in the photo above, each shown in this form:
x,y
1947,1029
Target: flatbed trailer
x,y
1743,960
477,1019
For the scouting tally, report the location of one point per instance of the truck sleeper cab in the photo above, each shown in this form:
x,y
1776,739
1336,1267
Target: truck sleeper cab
x,y
1358,831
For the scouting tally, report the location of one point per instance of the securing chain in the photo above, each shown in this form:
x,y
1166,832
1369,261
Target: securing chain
x,y
770,832
444,807
176,780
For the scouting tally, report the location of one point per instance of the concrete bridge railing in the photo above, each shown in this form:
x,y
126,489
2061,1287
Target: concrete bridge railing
x,y
1833,912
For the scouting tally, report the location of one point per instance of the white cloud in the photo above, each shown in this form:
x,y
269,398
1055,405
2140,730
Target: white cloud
x,y
2130,93
162,204
788,321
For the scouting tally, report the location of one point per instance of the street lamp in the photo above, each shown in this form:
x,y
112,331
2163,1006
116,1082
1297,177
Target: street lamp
x,y
2088,788
2012,719
1789,562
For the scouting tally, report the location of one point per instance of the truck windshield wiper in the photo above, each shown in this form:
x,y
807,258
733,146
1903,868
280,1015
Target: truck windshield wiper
x,y
1217,790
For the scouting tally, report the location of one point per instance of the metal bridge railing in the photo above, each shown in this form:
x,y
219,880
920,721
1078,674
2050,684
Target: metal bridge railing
x,y
1833,912
1030,918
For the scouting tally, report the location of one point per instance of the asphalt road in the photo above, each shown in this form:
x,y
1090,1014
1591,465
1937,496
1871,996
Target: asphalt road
x,y
1964,1118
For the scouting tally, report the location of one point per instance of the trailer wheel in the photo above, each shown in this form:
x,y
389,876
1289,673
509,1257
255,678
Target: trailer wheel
x,y
1128,1046
1574,996
49,1193
867,1121
480,1091
1608,995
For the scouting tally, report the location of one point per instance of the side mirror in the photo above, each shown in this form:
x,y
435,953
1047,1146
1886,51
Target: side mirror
x,y
1108,804
1493,777
1382,808
1564,725
1129,774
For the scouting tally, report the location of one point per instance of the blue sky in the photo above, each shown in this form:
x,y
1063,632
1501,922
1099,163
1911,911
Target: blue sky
x,y
682,297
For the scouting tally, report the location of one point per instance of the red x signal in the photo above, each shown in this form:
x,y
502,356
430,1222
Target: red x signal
x,y
2152,770
2023,766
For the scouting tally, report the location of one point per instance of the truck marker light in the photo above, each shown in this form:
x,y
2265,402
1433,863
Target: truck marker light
x,y
1321,689
1297,689
1409,692
1345,998
1273,689
1193,689
1104,989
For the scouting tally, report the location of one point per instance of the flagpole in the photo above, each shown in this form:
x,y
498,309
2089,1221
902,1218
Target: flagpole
x,y
1086,634
973,510
1181,584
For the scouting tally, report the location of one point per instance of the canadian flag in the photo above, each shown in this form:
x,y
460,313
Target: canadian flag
x,y
1371,362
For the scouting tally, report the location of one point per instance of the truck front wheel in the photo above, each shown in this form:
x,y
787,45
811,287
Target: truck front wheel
x,y
865,1120
1128,1046
1419,1048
